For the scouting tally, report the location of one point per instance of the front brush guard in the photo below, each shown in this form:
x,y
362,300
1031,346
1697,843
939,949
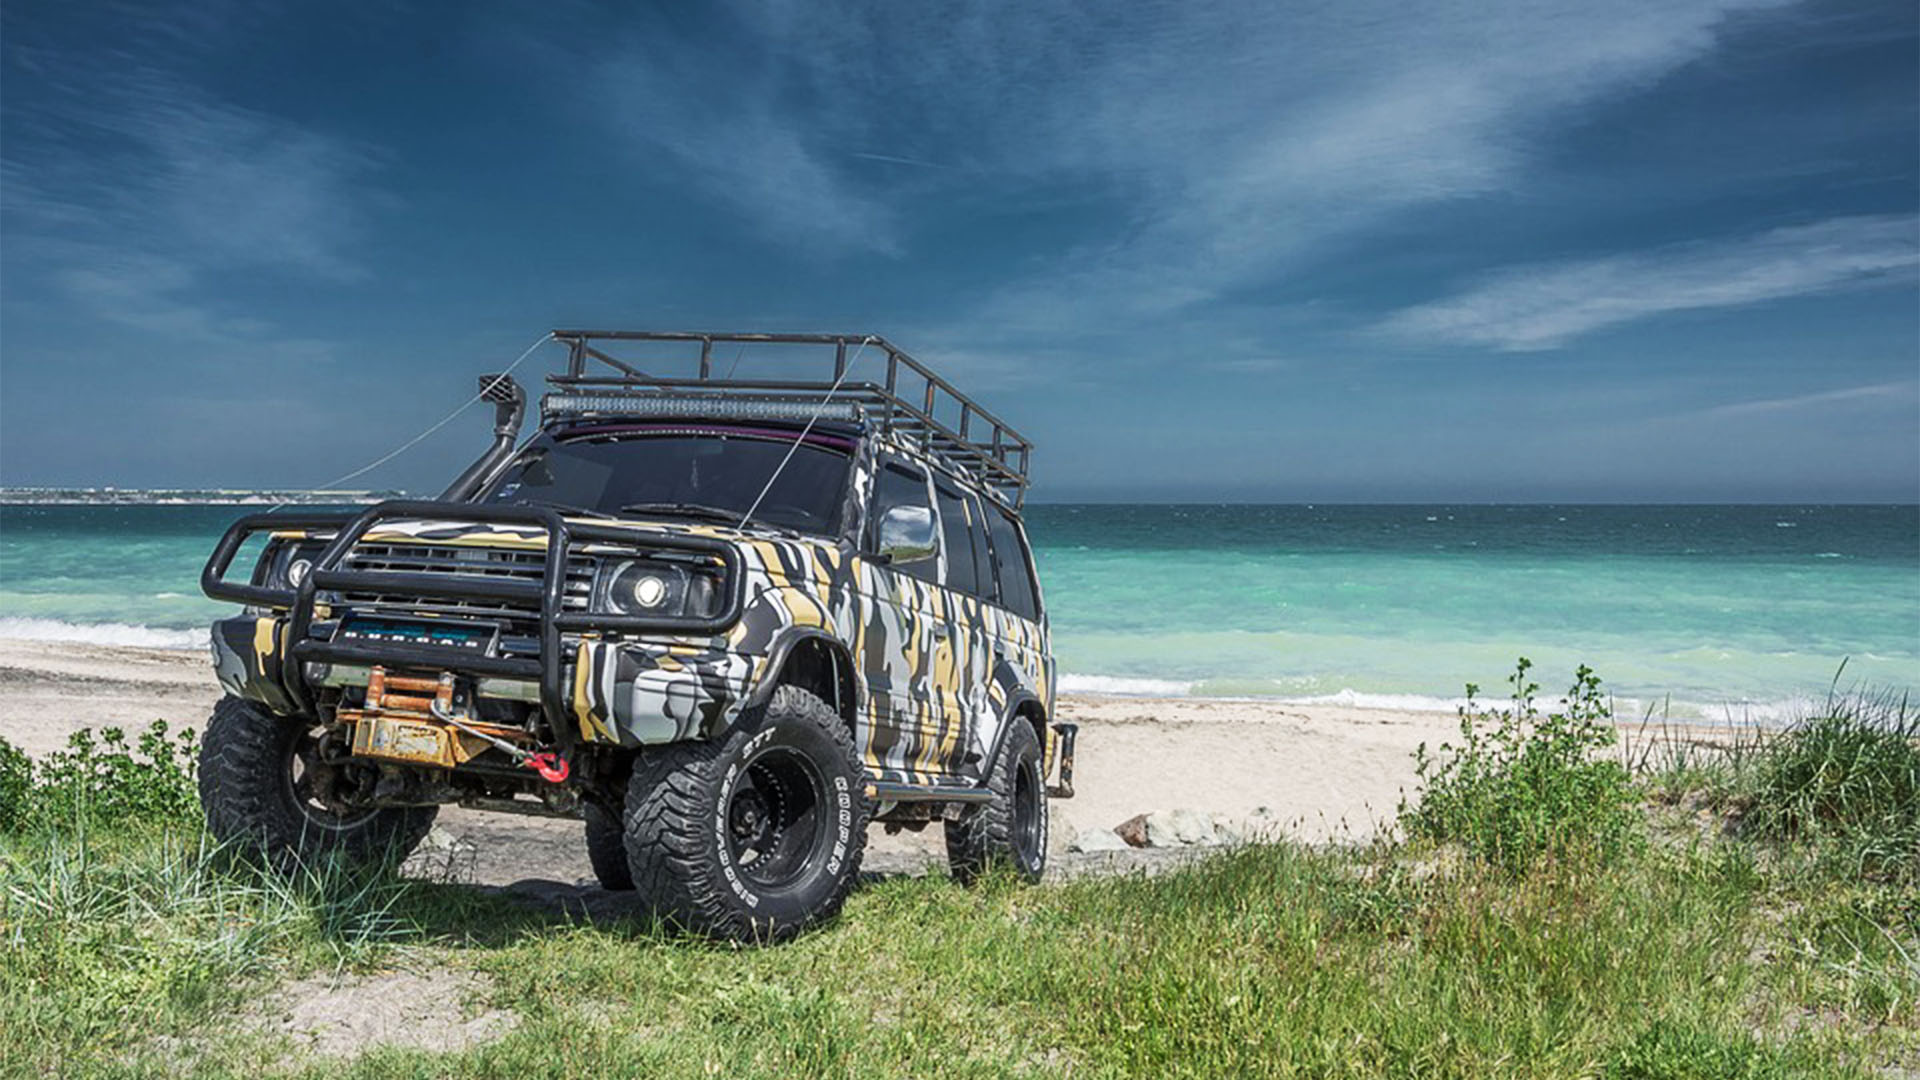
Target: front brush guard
x,y
548,670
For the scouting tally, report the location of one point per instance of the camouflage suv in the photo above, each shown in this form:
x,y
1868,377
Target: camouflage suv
x,y
726,622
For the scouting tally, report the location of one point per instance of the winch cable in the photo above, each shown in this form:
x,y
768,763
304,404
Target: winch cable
x,y
416,440
805,431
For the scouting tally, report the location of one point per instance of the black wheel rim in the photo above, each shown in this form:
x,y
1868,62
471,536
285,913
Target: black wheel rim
x,y
776,817
313,786
1027,819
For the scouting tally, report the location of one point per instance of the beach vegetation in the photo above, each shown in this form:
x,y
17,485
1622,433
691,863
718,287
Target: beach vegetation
x,y
1847,782
16,786
1839,785
103,778
1525,783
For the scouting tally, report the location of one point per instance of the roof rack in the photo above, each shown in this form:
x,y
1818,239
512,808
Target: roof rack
x,y
911,403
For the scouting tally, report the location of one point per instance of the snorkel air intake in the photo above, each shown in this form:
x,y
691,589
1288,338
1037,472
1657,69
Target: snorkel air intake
x,y
509,405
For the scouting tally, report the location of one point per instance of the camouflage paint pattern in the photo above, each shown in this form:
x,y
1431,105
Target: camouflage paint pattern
x,y
936,672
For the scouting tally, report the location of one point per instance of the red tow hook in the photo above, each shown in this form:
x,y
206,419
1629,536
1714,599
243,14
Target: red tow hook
x,y
551,767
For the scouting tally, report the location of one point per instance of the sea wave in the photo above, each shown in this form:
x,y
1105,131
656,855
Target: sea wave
x,y
1124,686
146,637
1626,710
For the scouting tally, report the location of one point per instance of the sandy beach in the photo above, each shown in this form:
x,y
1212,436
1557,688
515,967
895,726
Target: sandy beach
x,y
1321,772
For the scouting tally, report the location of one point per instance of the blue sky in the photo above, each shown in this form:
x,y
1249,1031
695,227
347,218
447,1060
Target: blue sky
x,y
1295,252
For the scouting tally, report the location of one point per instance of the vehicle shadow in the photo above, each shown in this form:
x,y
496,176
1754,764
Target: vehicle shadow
x,y
446,911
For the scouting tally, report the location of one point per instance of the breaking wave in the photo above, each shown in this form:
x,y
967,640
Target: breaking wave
x,y
146,637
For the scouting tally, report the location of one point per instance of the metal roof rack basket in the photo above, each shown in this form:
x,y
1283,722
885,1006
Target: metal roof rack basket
x,y
911,403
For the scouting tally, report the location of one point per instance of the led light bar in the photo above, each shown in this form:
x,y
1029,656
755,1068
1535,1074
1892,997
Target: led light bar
x,y
704,408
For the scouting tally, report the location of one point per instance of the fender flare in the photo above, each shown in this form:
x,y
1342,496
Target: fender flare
x,y
1009,715
783,647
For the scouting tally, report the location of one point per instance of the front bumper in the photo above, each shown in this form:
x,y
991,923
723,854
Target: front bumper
x,y
629,693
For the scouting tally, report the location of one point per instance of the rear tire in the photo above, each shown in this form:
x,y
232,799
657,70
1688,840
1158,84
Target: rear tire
x,y
1011,830
754,836
260,787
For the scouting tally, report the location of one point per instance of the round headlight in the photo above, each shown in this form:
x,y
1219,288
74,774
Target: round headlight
x,y
639,588
297,571
649,590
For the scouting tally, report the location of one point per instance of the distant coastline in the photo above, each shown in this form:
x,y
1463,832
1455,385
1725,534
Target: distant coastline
x,y
112,496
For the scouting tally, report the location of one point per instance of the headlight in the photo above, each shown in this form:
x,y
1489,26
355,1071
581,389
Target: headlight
x,y
649,587
286,563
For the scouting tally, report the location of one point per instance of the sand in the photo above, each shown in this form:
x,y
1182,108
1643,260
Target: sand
x,y
1323,771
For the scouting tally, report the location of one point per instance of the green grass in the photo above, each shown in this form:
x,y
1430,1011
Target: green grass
x,y
1758,918
131,957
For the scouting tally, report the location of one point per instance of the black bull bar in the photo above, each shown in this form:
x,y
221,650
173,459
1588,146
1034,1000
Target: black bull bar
x,y
548,669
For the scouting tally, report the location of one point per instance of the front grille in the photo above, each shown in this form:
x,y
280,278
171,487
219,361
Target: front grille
x,y
495,564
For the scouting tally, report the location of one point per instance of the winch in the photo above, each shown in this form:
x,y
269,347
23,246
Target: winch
x,y
417,719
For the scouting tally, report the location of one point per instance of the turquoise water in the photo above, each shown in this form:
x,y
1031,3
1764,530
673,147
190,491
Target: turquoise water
x,y
1711,607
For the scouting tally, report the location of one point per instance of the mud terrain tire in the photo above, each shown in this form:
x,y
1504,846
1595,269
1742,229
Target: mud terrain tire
x,y
247,790
607,848
756,835
1011,830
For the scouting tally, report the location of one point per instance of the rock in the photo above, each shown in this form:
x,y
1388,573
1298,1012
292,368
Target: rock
x,y
443,856
1180,828
1263,826
439,839
1093,840
1230,832
1168,829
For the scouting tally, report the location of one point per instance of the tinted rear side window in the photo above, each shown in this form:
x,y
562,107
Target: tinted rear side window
x,y
1010,560
958,542
982,551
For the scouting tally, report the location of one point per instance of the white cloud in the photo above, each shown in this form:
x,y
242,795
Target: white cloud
x,y
1235,140
1547,305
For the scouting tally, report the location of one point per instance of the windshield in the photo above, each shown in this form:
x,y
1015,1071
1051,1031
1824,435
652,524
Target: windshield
x,y
695,473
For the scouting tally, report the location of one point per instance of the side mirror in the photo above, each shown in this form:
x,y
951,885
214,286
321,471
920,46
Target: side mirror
x,y
906,535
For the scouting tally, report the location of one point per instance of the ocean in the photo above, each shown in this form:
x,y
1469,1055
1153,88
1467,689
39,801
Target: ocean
x,y
1700,611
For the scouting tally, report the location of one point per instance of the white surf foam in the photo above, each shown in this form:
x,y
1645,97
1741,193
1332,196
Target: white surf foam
x,y
1360,699
1626,710
1124,686
146,637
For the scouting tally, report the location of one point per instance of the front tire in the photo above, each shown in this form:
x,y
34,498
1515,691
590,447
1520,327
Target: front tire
x,y
757,835
264,789
607,848
1011,830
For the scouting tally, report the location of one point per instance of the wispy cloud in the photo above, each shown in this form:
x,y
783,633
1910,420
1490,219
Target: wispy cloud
x,y
1876,393
733,137
1547,305
1236,139
136,193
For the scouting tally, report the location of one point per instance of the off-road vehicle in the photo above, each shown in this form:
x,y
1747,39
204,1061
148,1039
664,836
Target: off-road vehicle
x,y
726,622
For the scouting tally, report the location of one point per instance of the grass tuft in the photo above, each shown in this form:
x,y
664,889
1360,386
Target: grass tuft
x,y
1846,780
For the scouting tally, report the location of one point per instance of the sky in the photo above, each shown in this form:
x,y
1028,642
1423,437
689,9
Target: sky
x,y
1539,250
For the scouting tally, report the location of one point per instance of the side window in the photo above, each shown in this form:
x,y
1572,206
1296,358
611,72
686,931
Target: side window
x,y
1010,560
962,574
900,486
982,551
